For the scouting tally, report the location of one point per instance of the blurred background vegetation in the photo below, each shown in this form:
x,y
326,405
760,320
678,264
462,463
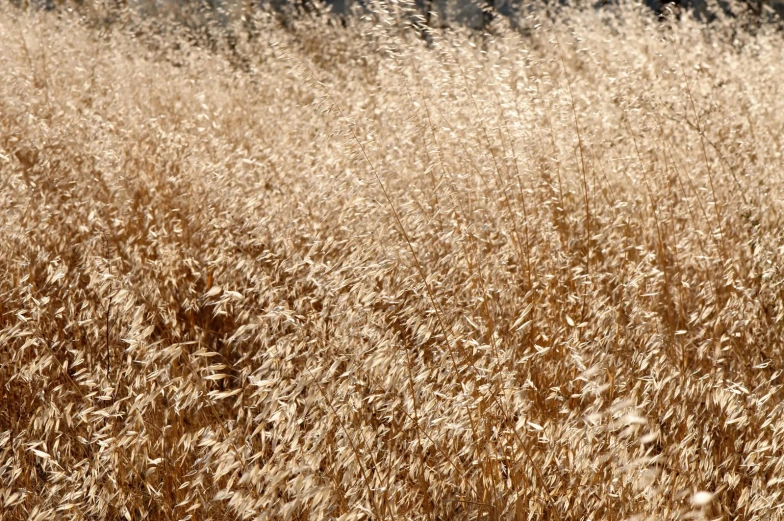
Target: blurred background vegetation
x,y
475,14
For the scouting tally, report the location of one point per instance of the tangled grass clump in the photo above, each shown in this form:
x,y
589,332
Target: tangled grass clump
x,y
354,273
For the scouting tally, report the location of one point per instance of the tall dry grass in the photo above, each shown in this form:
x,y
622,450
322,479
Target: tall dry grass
x,y
354,273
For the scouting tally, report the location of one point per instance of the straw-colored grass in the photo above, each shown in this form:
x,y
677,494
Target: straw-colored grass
x,y
355,273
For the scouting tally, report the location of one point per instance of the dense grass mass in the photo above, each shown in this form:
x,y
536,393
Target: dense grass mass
x,y
326,272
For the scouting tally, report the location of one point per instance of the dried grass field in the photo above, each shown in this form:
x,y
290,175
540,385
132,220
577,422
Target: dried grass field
x,y
322,272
